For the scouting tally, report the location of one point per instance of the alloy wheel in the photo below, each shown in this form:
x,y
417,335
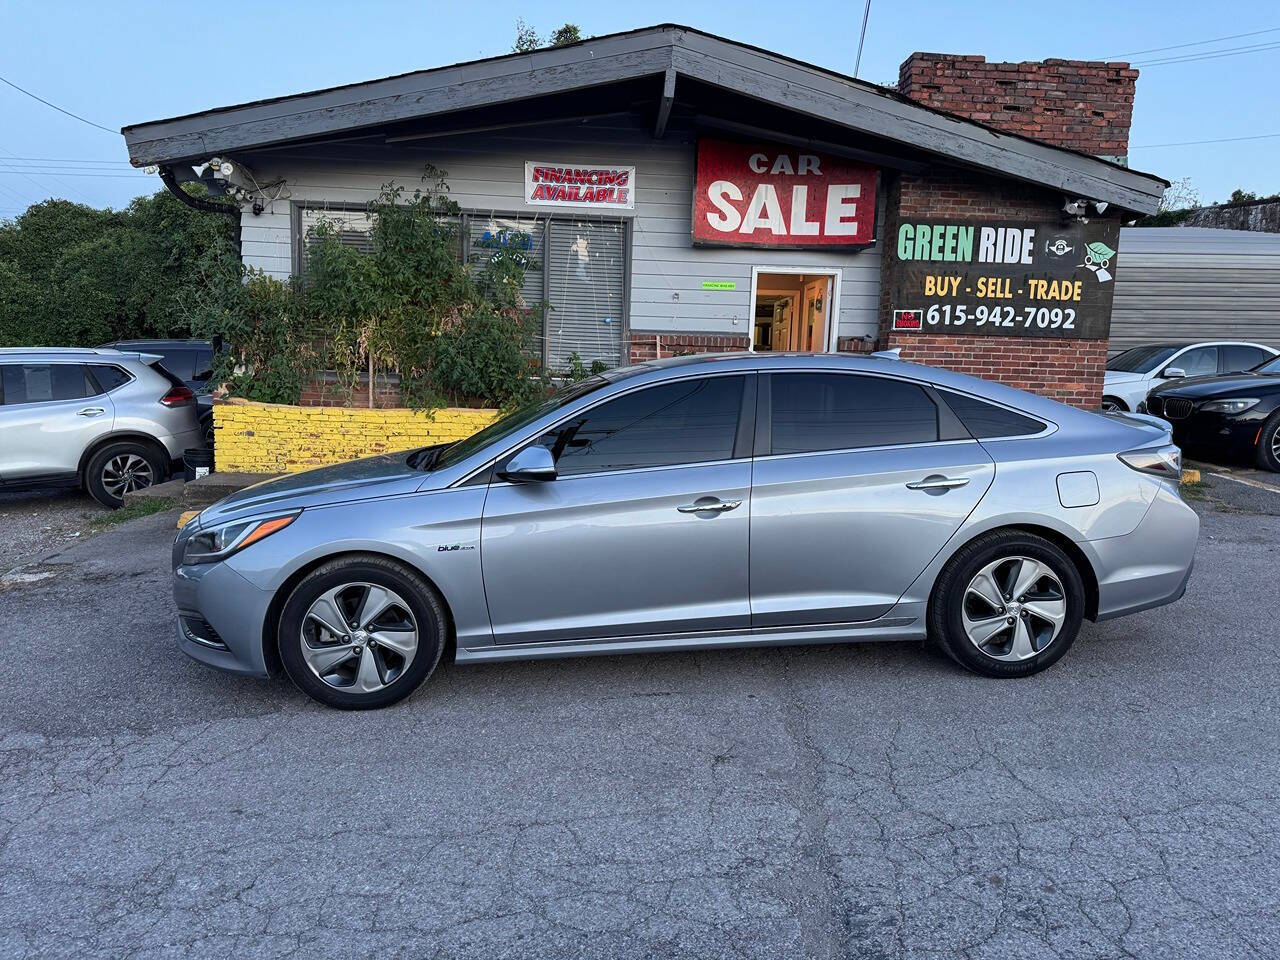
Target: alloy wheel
x,y
1110,406
126,473
359,637
1013,608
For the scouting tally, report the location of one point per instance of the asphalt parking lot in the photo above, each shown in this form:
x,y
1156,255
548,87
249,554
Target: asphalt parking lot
x,y
859,801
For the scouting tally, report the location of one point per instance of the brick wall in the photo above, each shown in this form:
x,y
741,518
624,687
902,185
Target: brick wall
x,y
1066,370
276,438
1081,104
654,346
327,390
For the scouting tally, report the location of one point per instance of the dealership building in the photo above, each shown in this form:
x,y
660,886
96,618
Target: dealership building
x,y
680,192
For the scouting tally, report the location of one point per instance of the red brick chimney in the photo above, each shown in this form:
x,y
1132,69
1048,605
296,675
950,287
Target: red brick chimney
x,y
1082,104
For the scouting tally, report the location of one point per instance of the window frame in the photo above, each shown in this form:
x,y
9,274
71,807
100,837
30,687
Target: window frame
x,y
743,443
1177,361
465,215
1264,353
1047,427
950,429
103,391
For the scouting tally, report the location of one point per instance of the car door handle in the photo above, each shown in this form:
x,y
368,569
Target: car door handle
x,y
938,482
91,412
710,505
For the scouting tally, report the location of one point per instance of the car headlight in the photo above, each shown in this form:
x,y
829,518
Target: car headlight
x,y
217,543
1239,405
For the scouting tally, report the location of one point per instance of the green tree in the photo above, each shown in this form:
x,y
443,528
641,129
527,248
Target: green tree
x,y
527,38
569,33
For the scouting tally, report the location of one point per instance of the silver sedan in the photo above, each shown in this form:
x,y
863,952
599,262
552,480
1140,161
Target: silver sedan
x,y
734,500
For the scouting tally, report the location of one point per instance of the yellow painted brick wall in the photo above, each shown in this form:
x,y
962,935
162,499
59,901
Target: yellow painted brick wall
x,y
275,438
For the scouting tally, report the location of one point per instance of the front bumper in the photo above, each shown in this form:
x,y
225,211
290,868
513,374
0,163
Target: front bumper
x,y
234,608
1151,565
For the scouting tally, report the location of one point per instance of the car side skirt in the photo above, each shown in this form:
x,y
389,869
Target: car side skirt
x,y
886,628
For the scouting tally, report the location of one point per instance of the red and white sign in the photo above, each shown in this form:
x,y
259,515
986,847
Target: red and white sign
x,y
572,185
770,195
907,320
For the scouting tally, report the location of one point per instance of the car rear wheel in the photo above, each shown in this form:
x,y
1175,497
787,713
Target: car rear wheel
x,y
1269,444
1009,604
120,468
361,632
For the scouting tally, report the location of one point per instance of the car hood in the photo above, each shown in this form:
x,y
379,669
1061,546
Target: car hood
x,y
1111,377
379,476
1199,387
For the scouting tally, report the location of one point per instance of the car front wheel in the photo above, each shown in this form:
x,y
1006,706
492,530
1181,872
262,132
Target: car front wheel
x,y
361,632
1269,444
1114,405
1009,604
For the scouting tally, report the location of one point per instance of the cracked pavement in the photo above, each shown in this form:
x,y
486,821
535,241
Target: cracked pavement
x,y
830,801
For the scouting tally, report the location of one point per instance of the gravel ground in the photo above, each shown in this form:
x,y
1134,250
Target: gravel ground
x,y
33,522
855,801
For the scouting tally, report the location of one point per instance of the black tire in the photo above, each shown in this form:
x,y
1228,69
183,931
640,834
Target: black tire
x,y
1116,403
419,596
206,431
1269,444
945,617
101,475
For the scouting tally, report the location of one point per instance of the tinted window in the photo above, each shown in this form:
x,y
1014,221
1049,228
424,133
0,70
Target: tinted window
x,y
1198,362
692,421
203,365
833,411
181,363
985,421
1241,358
109,377
1141,359
42,382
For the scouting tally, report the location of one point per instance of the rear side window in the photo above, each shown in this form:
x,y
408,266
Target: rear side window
x,y
45,382
109,377
986,421
835,411
161,369
1236,358
203,366
690,421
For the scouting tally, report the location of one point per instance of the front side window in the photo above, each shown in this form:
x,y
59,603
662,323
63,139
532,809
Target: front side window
x,y
45,382
689,421
1197,362
838,411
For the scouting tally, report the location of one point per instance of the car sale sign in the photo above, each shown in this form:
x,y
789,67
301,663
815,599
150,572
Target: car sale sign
x,y
768,195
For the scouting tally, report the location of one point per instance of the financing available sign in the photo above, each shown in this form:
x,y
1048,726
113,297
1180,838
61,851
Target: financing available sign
x,y
1004,277
581,186
770,195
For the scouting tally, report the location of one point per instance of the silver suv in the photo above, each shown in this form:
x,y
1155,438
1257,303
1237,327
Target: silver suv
x,y
106,420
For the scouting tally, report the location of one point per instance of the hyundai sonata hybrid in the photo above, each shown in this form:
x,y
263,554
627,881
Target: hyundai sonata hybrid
x,y
731,500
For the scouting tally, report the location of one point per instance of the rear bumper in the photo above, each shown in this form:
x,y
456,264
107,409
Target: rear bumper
x,y
233,607
1150,566
176,444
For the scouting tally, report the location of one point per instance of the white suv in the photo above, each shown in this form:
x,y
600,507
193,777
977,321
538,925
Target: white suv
x,y
106,420
1133,374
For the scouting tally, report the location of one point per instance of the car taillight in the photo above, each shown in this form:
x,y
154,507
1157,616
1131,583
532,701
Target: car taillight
x,y
1164,461
178,397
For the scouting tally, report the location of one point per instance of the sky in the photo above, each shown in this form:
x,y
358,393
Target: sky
x,y
120,63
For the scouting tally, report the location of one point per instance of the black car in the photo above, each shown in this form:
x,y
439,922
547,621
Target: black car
x,y
1236,415
191,361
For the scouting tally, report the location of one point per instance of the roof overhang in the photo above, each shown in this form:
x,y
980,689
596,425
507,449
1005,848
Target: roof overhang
x,y
666,52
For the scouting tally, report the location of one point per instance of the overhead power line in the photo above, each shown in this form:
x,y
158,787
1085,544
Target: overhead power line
x,y
1210,55
74,116
1194,43
857,63
1189,143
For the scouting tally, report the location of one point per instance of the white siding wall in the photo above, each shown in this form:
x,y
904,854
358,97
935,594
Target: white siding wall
x,y
485,173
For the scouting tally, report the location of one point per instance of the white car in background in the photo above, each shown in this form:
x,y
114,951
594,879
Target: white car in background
x,y
1133,374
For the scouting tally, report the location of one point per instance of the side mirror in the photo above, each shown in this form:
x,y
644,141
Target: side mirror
x,y
1173,373
530,464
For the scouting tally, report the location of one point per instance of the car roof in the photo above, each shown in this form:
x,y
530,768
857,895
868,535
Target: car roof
x,y
175,342
68,353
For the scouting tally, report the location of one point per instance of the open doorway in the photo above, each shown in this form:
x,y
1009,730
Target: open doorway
x,y
792,309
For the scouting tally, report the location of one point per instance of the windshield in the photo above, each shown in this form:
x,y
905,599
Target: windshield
x,y
514,421
1141,359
